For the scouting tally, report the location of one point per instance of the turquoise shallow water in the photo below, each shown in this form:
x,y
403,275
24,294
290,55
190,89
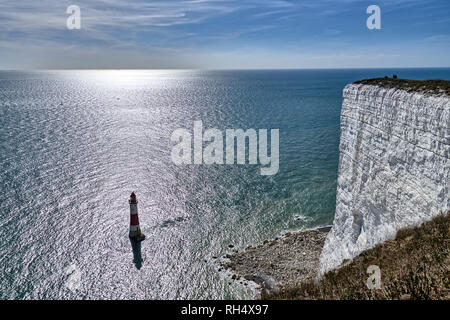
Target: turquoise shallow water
x,y
74,144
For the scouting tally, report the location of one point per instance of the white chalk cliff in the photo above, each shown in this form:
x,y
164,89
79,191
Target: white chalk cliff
x,y
394,167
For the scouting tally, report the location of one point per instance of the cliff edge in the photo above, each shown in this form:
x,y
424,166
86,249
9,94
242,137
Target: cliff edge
x,y
394,165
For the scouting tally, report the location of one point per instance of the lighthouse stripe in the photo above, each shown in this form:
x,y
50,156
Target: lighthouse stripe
x,y
134,220
133,208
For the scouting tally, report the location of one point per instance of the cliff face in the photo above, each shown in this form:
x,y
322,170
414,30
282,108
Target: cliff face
x,y
394,167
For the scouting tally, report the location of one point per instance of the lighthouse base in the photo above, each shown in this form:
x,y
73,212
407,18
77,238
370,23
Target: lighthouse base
x,y
137,237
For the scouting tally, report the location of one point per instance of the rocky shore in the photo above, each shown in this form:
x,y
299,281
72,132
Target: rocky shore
x,y
281,263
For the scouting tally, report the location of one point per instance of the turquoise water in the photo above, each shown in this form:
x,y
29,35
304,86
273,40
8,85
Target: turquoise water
x,y
74,144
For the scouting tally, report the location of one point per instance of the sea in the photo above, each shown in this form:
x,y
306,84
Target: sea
x,y
75,143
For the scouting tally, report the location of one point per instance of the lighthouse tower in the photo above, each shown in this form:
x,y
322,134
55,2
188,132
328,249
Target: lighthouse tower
x,y
135,230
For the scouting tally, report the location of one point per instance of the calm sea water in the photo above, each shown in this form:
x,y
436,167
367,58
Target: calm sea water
x,y
74,144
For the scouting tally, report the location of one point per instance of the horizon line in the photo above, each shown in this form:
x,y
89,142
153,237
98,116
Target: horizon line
x,y
218,69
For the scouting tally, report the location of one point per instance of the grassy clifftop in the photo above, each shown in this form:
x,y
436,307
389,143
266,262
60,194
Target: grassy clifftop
x,y
414,265
434,86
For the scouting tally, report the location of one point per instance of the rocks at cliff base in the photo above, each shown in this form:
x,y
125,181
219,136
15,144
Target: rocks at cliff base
x,y
283,262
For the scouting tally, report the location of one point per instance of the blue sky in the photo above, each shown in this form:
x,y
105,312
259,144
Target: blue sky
x,y
224,34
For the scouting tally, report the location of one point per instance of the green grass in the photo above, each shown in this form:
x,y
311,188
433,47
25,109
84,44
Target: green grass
x,y
414,265
432,86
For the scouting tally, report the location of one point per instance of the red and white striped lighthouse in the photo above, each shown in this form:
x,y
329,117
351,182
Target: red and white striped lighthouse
x,y
135,230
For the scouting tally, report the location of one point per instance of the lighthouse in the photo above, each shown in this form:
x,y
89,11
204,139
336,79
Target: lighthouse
x,y
135,230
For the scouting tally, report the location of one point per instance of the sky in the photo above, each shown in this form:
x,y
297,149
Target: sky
x,y
223,34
